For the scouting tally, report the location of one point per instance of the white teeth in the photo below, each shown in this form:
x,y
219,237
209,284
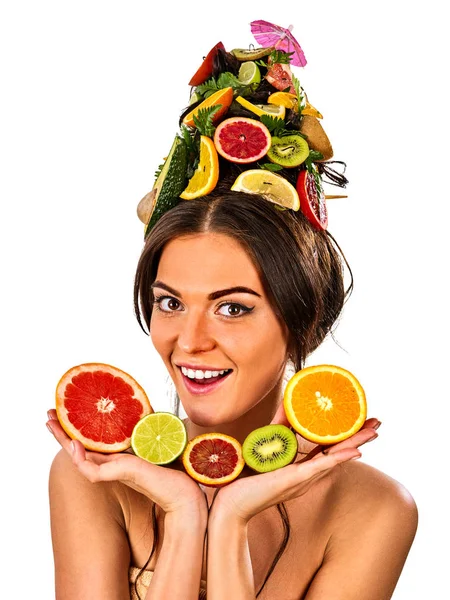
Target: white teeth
x,y
199,374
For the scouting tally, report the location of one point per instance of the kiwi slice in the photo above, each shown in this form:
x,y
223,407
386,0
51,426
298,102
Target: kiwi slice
x,y
269,448
288,151
243,54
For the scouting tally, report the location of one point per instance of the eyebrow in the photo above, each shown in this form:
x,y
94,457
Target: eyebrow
x,y
213,295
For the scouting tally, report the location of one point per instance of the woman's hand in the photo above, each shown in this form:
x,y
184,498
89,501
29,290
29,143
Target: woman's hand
x,y
171,489
246,497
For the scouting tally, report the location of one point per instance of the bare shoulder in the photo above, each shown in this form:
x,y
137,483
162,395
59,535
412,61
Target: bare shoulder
x,y
369,493
88,534
372,521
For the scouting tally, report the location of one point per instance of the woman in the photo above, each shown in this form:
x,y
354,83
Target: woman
x,y
238,292
216,299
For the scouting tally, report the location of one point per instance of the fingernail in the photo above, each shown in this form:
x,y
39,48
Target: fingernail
x,y
49,428
377,425
49,415
72,447
374,437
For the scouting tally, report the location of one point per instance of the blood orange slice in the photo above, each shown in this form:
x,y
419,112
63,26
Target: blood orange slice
x,y
99,405
242,140
312,200
213,459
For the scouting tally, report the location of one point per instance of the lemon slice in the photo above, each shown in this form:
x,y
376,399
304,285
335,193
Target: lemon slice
x,y
273,187
160,439
263,109
249,73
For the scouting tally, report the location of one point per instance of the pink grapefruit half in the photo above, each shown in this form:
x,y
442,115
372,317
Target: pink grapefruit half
x,y
242,140
99,405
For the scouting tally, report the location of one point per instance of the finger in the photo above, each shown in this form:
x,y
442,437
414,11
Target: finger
x,y
324,462
363,436
60,435
51,414
280,416
372,423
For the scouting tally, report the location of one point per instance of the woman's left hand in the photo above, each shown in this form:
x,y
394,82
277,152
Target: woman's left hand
x,y
248,496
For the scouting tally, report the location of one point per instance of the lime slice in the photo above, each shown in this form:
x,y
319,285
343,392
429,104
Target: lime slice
x,y
249,73
159,439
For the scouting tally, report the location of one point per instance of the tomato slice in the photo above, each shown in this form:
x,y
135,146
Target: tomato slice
x,y
206,68
312,200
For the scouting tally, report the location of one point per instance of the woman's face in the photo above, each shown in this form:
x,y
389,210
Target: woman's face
x,y
215,329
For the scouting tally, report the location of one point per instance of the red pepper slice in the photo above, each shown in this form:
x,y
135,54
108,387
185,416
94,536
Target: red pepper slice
x,y
312,200
206,68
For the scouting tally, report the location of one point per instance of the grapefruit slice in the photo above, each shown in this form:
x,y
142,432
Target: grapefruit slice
x,y
280,76
213,459
325,404
99,405
242,140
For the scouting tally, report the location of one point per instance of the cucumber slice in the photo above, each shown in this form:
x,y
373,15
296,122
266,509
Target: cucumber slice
x,y
170,182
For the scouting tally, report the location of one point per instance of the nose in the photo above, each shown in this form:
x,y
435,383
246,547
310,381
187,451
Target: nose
x,y
194,335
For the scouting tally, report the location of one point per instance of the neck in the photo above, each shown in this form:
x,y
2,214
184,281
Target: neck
x,y
258,416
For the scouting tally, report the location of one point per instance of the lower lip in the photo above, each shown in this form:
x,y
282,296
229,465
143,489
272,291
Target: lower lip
x,y
202,388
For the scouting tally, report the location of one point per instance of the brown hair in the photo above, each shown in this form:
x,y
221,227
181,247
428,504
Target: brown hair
x,y
301,269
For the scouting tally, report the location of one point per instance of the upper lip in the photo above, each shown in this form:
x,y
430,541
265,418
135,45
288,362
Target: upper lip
x,y
201,367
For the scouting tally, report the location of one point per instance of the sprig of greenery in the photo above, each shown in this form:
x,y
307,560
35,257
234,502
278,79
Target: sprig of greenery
x,y
313,156
301,97
224,80
275,125
203,120
276,56
158,171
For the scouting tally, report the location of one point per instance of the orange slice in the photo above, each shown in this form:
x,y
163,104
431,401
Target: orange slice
x,y
213,459
206,175
284,99
311,111
224,97
325,404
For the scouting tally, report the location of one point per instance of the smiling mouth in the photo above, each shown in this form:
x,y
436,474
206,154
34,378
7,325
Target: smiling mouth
x,y
203,381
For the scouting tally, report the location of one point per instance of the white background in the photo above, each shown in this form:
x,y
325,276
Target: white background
x,y
91,94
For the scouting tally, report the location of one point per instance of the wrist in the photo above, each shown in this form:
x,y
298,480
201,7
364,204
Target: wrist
x,y
193,519
222,515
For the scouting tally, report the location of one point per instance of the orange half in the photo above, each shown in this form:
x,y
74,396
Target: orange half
x,y
206,175
325,404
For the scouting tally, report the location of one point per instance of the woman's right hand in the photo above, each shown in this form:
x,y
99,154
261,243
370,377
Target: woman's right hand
x,y
173,490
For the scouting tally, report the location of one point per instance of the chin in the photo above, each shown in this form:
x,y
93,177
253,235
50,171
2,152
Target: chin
x,y
204,418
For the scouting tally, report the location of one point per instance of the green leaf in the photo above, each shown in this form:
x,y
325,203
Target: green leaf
x,y
301,97
203,120
280,57
270,167
273,124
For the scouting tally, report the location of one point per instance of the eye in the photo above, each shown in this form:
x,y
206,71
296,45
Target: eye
x,y
167,303
233,309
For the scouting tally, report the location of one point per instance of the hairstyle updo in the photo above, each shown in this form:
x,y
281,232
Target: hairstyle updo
x,y
301,268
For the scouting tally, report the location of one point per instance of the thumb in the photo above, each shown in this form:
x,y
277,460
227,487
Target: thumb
x,y
280,416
